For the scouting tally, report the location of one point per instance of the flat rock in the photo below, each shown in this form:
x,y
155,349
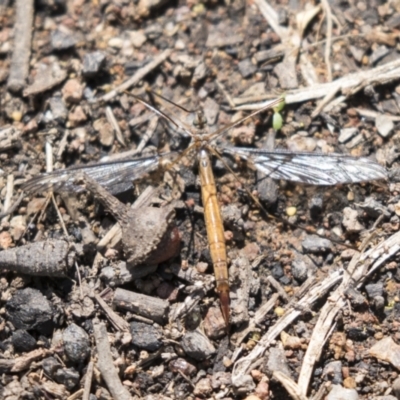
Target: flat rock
x,y
197,346
145,336
316,244
387,350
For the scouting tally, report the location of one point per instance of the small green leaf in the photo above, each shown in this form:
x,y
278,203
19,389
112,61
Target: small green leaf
x,y
279,107
277,121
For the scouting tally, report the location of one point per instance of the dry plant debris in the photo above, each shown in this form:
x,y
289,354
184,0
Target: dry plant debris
x,y
311,318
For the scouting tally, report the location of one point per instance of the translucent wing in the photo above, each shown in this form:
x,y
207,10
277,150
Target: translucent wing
x,y
115,176
312,168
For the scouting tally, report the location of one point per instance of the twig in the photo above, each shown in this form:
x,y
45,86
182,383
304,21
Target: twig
x,y
13,207
328,14
359,269
244,365
9,194
271,17
258,317
277,286
324,102
291,386
88,381
114,123
376,76
117,321
225,93
63,143
19,68
106,365
374,114
137,77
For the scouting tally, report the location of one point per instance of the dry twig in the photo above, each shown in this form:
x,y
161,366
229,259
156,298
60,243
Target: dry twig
x,y
19,67
140,74
106,365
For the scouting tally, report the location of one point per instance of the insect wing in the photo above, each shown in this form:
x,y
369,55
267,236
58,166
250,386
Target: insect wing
x,y
312,168
115,176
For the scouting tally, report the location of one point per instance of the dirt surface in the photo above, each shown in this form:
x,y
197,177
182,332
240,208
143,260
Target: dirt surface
x,y
87,315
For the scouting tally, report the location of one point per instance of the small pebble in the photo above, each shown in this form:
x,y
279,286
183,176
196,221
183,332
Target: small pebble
x,y
92,63
138,38
247,68
76,117
16,116
62,39
197,346
72,91
350,196
203,388
316,244
350,221
384,125
279,311
387,350
116,43
5,240
23,341
145,336
76,343
180,364
28,309
338,392
291,211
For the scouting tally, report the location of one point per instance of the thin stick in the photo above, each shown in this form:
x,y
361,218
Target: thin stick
x,y
88,381
328,14
226,94
9,194
19,67
114,123
359,79
106,365
137,77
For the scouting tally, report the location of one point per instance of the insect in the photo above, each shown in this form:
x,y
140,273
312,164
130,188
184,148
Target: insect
x,y
309,168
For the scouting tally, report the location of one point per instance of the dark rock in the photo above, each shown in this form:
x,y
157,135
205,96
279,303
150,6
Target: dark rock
x,y
299,269
285,280
355,297
50,366
76,343
315,206
29,309
267,189
316,244
357,333
197,346
68,377
146,336
277,271
23,341
374,289
92,63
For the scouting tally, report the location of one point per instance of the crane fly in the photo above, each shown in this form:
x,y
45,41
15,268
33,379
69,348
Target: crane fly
x,y
308,168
